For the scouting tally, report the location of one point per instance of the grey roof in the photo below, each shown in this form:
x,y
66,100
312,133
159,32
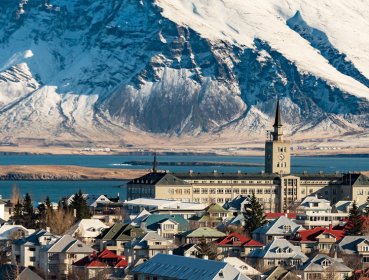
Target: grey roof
x,y
316,265
279,272
9,272
279,249
347,245
159,178
276,227
355,179
237,203
142,242
178,267
68,244
33,239
226,176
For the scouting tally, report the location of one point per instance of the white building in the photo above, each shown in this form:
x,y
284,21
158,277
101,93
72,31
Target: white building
x,y
87,230
26,251
57,257
163,206
317,212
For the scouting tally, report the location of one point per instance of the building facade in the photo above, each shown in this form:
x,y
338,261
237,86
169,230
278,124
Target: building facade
x,y
276,188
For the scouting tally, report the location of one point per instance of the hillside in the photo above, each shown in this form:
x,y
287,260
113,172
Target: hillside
x,y
132,72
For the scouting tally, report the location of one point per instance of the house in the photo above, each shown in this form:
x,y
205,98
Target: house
x,y
278,252
279,273
6,209
236,245
173,267
196,235
237,204
115,237
356,248
212,216
317,212
12,232
324,267
242,267
87,230
26,251
101,265
57,257
318,239
137,220
279,228
165,225
13,272
147,246
187,250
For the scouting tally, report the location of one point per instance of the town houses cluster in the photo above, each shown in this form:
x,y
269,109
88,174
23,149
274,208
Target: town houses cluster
x,y
261,226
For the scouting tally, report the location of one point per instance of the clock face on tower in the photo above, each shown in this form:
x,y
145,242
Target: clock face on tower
x,y
281,157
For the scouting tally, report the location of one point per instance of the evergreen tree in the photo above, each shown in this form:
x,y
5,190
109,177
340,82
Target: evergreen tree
x,y
79,204
253,214
355,224
206,249
41,217
17,217
28,212
48,203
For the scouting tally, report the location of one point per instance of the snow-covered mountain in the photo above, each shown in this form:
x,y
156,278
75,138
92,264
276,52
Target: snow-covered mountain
x,y
97,70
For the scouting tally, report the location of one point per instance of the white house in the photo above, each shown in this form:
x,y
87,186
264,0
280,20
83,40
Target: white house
x,y
87,230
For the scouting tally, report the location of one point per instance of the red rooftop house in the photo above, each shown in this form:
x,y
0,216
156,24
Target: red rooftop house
x,y
236,245
102,265
318,239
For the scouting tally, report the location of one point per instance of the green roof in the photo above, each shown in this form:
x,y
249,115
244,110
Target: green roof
x,y
203,232
121,232
215,208
153,221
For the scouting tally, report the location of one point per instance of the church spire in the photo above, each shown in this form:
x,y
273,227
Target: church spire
x,y
155,164
278,119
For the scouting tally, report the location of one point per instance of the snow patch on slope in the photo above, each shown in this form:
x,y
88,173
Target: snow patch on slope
x,y
240,22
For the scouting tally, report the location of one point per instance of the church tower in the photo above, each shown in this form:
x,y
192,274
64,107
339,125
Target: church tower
x,y
277,150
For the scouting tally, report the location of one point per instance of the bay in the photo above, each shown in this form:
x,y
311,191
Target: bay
x,y
57,189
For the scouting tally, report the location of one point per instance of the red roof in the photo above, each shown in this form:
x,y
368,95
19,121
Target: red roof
x,y
105,258
236,239
273,216
310,235
96,263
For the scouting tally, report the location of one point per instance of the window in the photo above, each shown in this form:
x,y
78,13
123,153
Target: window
x,y
53,257
219,200
32,249
196,190
287,228
237,191
244,191
220,191
365,259
228,190
32,259
204,191
259,191
168,226
212,191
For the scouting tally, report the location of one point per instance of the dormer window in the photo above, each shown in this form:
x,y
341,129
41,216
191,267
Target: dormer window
x,y
326,262
278,250
287,228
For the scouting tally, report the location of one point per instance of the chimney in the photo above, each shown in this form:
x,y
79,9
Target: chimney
x,y
330,226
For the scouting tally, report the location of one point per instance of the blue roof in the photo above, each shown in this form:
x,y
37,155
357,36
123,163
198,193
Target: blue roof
x,y
179,267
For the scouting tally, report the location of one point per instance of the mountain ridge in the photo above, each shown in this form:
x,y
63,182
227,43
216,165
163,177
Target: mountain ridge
x,y
91,71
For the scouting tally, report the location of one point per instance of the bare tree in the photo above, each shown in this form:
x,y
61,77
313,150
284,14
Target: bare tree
x,y
59,221
16,195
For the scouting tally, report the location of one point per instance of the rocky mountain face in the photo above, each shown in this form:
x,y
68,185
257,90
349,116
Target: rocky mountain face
x,y
96,70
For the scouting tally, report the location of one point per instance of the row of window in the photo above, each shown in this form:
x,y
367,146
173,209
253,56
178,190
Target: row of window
x,y
236,191
232,182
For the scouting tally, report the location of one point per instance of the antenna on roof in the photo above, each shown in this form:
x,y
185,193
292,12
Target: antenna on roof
x,y
154,164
